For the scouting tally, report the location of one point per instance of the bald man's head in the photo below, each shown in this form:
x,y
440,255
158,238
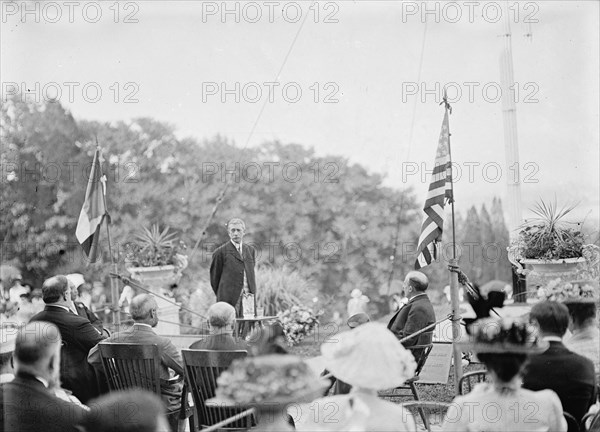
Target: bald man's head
x,y
143,309
221,316
37,350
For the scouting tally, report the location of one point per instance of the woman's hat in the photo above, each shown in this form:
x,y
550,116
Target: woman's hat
x,y
502,335
276,378
369,357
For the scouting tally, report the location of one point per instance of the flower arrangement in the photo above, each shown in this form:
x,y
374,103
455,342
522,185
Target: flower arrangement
x,y
559,290
297,322
547,236
153,248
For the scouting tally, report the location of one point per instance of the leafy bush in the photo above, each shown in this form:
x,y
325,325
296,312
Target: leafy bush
x,y
281,288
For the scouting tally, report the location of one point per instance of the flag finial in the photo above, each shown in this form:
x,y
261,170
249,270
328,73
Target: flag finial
x,y
445,102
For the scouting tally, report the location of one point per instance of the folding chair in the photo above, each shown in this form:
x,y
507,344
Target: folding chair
x,y
427,411
468,381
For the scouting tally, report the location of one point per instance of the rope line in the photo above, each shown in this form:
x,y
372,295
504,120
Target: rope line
x,y
129,281
430,326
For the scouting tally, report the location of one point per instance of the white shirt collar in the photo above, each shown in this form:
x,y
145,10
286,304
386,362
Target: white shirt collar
x,y
43,381
142,324
417,295
552,338
61,306
236,245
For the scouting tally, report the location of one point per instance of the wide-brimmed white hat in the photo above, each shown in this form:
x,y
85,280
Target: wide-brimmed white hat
x,y
370,357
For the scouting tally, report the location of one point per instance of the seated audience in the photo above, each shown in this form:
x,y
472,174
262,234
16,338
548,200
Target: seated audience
x,y
369,358
221,319
143,310
29,402
503,347
126,411
415,315
568,374
78,337
585,334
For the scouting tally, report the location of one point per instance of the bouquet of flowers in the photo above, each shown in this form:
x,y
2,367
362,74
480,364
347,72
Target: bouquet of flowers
x,y
297,322
560,290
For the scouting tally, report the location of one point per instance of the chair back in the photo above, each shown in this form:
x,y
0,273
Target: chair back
x,y
430,412
129,366
468,381
202,368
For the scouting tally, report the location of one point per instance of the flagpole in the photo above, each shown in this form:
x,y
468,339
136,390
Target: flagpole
x,y
114,288
454,298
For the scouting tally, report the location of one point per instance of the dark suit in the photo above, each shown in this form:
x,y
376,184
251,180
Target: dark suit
x,y
220,342
78,337
169,355
83,311
570,375
412,317
28,406
227,272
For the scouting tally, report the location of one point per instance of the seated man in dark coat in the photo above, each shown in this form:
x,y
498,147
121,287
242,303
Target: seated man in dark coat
x,y
416,314
28,403
143,310
221,319
78,337
568,374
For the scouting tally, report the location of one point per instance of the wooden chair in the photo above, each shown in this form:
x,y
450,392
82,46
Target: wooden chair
x,y
202,368
468,381
128,366
428,411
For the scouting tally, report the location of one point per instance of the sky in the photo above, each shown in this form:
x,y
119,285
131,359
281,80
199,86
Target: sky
x,y
362,79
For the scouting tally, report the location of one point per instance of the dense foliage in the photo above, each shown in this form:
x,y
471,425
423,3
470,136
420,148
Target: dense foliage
x,y
332,223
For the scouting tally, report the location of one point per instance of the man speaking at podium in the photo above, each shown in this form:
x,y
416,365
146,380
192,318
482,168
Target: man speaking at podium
x,y
232,267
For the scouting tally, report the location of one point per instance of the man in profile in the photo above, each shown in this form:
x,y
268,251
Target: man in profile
x,y
232,267
221,319
144,313
29,402
78,337
416,314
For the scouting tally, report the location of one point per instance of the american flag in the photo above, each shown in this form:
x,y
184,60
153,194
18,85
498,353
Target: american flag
x,y
440,190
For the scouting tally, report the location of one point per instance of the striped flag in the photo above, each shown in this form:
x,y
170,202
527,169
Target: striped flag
x,y
93,211
440,189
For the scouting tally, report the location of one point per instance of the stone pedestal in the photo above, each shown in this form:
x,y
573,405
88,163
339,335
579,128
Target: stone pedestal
x,y
158,280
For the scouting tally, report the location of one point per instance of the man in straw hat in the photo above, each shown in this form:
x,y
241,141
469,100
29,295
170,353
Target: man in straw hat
x,y
503,346
570,375
369,358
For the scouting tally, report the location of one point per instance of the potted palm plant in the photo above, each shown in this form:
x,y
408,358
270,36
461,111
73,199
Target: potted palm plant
x,y
547,242
157,259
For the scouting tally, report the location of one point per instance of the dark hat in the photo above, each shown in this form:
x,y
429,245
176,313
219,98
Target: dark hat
x,y
494,335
